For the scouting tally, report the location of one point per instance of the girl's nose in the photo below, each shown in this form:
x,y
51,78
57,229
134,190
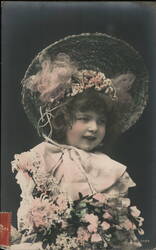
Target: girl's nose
x,y
92,125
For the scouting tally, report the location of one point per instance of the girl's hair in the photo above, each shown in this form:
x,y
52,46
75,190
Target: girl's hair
x,y
90,100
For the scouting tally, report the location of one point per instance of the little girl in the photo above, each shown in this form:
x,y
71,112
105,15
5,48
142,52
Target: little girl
x,y
79,112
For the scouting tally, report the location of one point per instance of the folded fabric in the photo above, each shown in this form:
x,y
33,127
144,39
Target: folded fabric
x,y
75,170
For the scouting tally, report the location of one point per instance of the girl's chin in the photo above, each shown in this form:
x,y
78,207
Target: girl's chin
x,y
86,147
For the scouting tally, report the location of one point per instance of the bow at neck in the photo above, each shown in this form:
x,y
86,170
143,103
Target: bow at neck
x,y
78,171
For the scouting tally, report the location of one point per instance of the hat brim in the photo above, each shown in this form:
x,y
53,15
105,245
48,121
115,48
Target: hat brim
x,y
98,52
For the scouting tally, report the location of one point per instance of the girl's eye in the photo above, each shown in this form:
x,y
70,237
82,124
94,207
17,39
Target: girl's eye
x,y
102,121
85,119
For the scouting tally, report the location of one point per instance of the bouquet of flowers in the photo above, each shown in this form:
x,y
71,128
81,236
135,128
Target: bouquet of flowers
x,y
100,221
92,222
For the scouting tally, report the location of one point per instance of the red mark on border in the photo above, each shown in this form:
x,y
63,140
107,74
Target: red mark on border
x,y
5,228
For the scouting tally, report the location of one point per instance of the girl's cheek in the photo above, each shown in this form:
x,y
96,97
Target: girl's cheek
x,y
102,130
81,125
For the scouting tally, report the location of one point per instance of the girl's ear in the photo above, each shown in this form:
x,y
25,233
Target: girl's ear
x,y
122,84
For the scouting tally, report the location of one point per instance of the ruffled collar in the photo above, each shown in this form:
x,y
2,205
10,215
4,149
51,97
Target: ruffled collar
x,y
78,171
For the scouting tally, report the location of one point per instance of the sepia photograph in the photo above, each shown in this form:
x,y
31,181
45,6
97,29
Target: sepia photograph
x,y
78,140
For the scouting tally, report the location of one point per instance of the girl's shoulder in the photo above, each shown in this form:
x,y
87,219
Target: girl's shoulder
x,y
41,157
107,164
118,179
33,170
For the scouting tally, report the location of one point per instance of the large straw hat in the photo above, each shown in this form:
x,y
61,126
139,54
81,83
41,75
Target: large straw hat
x,y
95,52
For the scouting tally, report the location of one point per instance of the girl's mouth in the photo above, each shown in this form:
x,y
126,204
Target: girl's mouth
x,y
89,138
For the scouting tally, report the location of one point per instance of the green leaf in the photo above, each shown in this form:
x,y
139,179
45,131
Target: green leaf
x,y
82,204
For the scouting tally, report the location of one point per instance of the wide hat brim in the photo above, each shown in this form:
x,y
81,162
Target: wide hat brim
x,y
102,53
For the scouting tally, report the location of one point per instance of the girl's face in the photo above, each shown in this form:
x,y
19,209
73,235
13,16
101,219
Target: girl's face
x,y
87,131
